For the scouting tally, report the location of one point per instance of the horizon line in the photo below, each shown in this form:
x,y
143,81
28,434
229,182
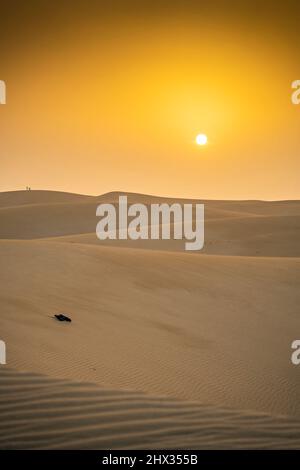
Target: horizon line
x,y
145,195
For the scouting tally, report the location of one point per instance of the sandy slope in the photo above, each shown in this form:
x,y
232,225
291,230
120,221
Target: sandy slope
x,y
207,328
210,328
42,413
241,236
249,228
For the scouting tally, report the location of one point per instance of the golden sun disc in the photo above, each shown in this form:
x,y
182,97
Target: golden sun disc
x,y
201,139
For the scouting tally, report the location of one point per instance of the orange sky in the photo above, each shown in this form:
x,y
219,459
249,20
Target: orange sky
x,y
111,96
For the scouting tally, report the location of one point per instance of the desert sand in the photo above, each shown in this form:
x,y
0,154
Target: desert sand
x,y
166,348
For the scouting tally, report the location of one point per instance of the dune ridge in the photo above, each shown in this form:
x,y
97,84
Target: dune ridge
x,y
242,228
43,413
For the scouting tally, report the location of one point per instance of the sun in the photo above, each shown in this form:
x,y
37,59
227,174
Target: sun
x,y
201,139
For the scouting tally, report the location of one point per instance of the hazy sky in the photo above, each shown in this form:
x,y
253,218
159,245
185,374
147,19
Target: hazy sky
x,y
110,95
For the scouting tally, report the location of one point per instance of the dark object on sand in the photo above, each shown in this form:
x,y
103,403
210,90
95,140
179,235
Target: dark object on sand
x,y
62,317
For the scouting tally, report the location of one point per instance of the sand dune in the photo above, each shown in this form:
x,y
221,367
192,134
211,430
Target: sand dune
x,y
42,413
184,349
243,228
241,236
21,198
208,328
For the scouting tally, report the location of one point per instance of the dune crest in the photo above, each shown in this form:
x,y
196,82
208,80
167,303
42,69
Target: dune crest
x,y
242,228
43,413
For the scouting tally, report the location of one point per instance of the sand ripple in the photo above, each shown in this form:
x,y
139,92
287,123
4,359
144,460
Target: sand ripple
x,y
42,413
